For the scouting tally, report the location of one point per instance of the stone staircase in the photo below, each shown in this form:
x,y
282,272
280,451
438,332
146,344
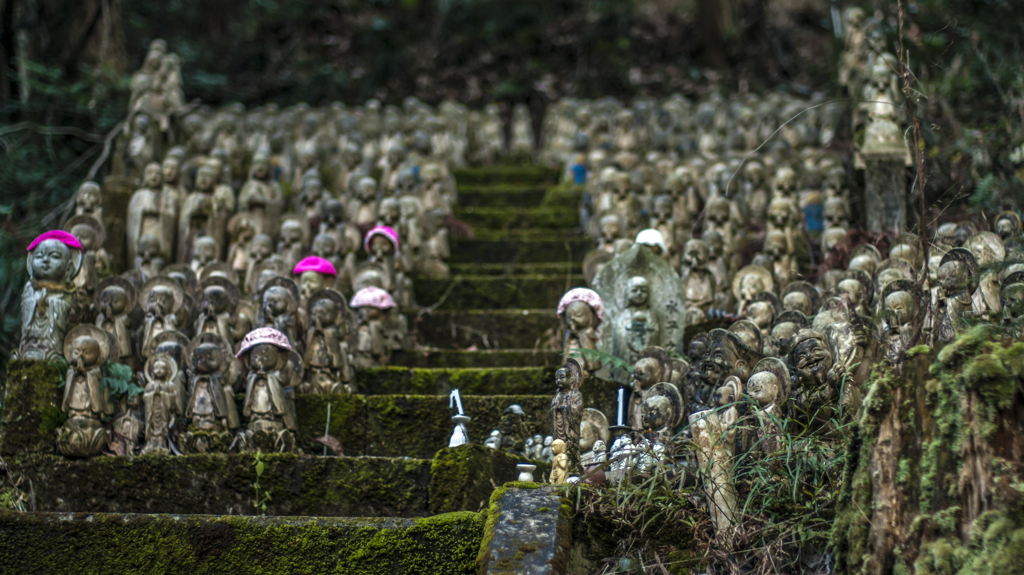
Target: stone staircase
x,y
489,330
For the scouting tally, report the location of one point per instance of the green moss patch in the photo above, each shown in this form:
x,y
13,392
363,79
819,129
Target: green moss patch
x,y
115,544
470,381
535,248
463,478
31,407
523,175
500,195
496,292
453,358
505,218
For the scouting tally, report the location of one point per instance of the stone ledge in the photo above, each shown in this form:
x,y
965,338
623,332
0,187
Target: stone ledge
x,y
101,543
528,532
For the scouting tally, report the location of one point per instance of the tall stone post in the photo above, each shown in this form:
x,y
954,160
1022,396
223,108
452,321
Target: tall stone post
x,y
885,191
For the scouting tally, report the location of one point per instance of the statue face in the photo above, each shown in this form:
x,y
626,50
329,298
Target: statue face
x,y
161,369
215,300
367,189
853,288
901,304
323,246
148,247
276,300
751,285
88,197
764,388
656,412
85,350
265,357
863,262
152,176
579,316
1005,228
261,247
260,169
775,244
160,301
205,250
904,252
170,171
51,261
381,246
637,292
85,236
798,301
950,276
695,254
696,350
646,373
663,209
812,361
562,379
204,179
781,336
309,283
1013,302
610,228
761,313
325,311
207,358
291,232
114,299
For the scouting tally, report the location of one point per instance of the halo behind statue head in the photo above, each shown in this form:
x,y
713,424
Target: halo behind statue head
x,y
216,339
85,219
771,299
987,248
328,294
792,316
967,261
152,361
805,288
864,280
219,269
777,367
599,420
286,283
675,399
230,288
187,277
898,286
592,264
107,343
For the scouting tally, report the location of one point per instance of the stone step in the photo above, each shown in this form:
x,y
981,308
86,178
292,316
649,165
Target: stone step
x,y
503,218
58,543
520,248
508,175
489,328
398,380
513,268
452,358
496,292
500,196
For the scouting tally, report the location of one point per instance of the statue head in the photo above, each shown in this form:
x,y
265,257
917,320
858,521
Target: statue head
x,y
366,189
727,354
715,243
853,289
277,300
761,313
86,235
785,327
113,300
324,311
695,254
1008,225
717,210
310,282
207,359
324,246
769,382
291,231
88,197
390,212
169,170
265,357
785,181
1012,297
811,357
663,208
162,367
775,244
54,256
206,177
152,175
611,227
656,412
646,372
638,292
204,250
261,247
579,316
558,446
863,262
215,299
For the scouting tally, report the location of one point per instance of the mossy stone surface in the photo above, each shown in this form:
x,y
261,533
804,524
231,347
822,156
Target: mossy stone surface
x,y
100,544
394,380
31,407
452,358
485,329
491,292
501,195
221,484
532,248
521,175
515,268
506,218
463,478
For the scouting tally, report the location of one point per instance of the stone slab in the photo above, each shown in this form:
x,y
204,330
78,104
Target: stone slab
x,y
530,536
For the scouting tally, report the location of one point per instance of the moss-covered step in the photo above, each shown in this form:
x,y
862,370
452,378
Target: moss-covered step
x,y
452,358
395,380
528,530
486,328
514,268
563,196
504,218
499,247
507,175
31,407
114,544
222,484
496,292
501,196
463,478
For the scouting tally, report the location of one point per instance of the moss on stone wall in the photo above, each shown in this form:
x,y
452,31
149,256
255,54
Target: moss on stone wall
x,y
565,216
487,291
523,175
393,380
31,407
454,358
463,478
116,544
222,484
532,248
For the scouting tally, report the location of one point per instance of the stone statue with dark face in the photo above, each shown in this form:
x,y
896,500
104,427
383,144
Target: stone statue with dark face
x,y
726,355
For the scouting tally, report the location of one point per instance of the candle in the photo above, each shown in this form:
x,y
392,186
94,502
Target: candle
x,y
621,419
455,400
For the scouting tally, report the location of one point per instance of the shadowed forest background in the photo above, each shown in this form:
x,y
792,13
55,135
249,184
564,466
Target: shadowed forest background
x,y
67,63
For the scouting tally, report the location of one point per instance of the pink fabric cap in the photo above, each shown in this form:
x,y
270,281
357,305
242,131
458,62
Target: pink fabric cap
x,y
315,264
263,335
372,297
59,235
587,296
380,231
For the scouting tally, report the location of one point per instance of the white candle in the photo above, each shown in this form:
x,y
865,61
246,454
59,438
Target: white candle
x,y
455,400
621,419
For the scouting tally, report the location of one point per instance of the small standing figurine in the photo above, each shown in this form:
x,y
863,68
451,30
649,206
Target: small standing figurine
x,y
204,253
47,302
326,363
958,279
211,406
582,311
559,463
217,304
96,262
315,273
279,308
115,301
768,386
89,200
161,400
567,411
87,400
268,404
163,298
371,304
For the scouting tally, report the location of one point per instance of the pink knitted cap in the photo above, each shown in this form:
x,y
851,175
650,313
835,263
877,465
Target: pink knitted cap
x,y
380,230
372,297
59,235
587,296
263,335
315,264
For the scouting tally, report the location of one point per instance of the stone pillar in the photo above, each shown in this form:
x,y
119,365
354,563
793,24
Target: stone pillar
x,y
715,436
31,409
885,192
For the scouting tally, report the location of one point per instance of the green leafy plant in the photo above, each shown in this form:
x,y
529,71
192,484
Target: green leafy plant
x,y
261,497
117,377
